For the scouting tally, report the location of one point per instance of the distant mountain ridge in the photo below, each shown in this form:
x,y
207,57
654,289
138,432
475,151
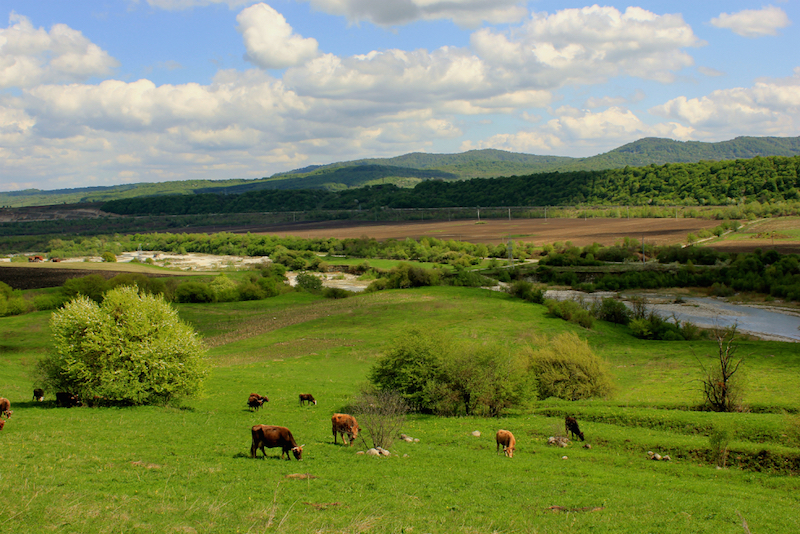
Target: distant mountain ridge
x,y
410,169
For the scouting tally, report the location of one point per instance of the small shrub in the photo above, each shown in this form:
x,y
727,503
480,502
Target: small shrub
x,y
194,292
381,414
613,311
336,293
109,257
309,282
719,440
47,302
566,368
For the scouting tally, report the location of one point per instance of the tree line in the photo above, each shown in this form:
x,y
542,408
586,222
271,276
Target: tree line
x,y
734,182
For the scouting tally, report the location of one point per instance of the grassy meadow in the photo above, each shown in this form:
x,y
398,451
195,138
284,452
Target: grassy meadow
x,y
187,468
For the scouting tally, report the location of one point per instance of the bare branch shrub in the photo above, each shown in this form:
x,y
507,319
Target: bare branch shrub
x,y
722,389
381,414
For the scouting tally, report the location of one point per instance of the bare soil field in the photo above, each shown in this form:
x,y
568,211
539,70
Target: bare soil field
x,y
580,232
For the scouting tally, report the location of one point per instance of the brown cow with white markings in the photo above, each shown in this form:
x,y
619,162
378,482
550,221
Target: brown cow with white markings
x,y
306,398
344,424
274,436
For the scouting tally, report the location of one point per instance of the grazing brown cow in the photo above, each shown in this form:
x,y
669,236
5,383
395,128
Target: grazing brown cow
x,y
344,424
274,436
255,401
571,427
307,397
2,423
507,440
5,407
38,394
67,400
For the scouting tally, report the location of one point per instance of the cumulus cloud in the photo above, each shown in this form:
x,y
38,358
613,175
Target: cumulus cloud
x,y
753,22
270,41
467,13
589,45
769,107
30,56
581,132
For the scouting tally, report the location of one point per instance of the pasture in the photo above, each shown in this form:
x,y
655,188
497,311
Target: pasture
x,y
186,468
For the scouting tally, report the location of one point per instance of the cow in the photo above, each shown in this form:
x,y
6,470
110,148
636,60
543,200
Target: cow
x,y
2,423
38,394
274,436
67,400
5,407
571,427
507,440
307,397
255,401
343,423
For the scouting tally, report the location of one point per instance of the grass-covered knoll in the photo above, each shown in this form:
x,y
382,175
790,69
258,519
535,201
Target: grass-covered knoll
x,y
187,469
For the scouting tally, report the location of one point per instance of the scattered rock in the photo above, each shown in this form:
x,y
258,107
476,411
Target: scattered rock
x,y
301,476
587,446
565,457
476,433
657,457
378,451
558,441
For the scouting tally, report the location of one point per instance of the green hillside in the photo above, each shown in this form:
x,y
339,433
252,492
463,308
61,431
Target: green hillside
x,y
410,169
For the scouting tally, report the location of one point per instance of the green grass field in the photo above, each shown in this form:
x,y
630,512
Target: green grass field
x,y
187,468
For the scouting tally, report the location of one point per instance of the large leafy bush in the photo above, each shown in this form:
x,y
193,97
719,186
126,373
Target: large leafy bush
x,y
130,349
567,368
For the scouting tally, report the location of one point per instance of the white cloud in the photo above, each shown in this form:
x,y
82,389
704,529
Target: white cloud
x,y
589,45
467,13
770,107
581,132
753,22
30,56
270,40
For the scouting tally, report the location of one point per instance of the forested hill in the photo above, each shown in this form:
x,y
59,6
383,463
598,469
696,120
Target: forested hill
x,y
411,169
769,179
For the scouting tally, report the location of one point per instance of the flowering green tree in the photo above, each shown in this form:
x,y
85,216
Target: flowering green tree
x,y
130,349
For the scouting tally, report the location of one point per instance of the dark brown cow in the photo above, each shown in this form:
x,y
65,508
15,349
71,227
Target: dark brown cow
x,y
38,394
255,401
5,407
507,440
67,400
274,436
307,397
343,423
571,427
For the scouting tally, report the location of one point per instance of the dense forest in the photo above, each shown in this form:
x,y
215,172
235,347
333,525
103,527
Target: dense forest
x,y
770,179
410,169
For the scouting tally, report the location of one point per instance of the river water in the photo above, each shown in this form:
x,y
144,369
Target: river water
x,y
760,321
708,312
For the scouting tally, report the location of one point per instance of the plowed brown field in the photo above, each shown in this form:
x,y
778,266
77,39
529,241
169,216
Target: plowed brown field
x,y
493,231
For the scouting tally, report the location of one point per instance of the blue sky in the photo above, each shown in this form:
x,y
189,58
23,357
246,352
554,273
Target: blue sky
x,y
110,92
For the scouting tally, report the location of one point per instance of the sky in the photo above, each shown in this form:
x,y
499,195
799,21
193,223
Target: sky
x,y
108,92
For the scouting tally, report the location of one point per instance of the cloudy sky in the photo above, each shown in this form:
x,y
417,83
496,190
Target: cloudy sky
x,y
106,92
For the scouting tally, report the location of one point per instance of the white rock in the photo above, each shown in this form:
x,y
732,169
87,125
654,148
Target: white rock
x,y
476,433
565,458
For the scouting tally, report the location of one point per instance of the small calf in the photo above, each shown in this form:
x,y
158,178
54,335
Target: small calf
x,y
307,397
255,401
571,427
38,394
507,440
5,407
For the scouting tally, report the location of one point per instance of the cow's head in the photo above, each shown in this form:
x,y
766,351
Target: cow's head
x,y
354,431
509,451
298,452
